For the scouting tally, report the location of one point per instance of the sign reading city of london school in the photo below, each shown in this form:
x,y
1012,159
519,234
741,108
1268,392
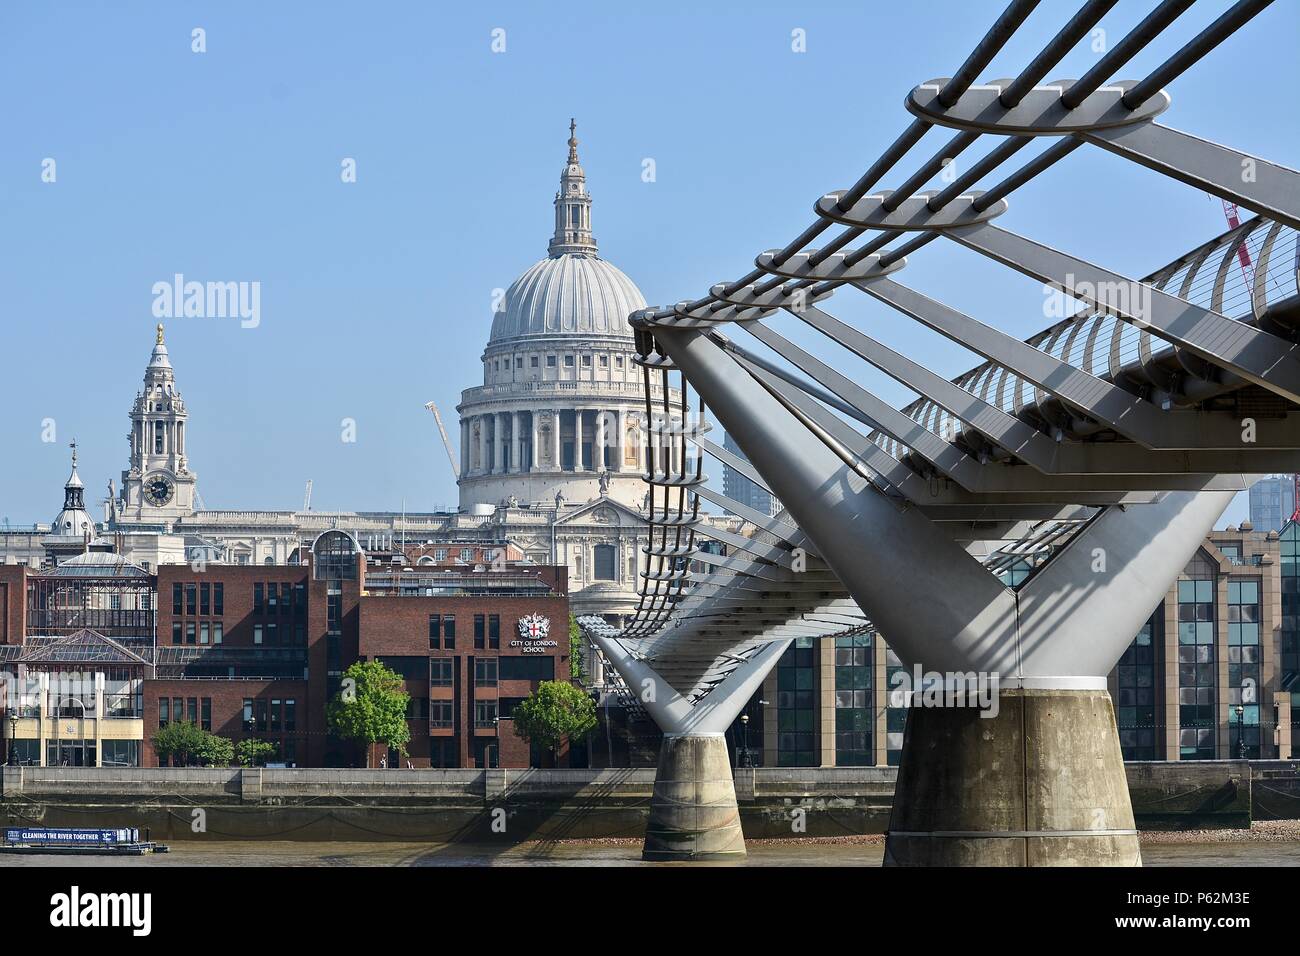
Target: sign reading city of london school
x,y
534,635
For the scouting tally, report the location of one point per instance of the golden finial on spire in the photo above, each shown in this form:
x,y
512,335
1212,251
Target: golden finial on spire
x,y
160,334
573,141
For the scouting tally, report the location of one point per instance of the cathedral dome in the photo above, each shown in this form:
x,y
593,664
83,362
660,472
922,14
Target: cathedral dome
x,y
573,291
568,294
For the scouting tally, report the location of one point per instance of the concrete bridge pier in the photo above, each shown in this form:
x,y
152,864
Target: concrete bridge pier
x,y
1041,783
693,810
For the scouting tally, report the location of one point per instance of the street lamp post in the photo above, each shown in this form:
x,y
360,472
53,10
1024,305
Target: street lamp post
x,y
1241,737
13,744
744,760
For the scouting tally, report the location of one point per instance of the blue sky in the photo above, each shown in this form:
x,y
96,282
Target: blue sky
x,y
376,295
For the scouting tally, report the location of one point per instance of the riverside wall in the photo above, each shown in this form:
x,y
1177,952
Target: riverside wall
x,y
514,805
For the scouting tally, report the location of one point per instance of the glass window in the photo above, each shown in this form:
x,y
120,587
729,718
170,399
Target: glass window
x,y
480,630
176,599
335,557
164,711
796,706
205,599
205,711
435,631
494,631
290,715
259,598
485,672
440,713
604,561
218,598
440,671
1197,664
191,600
449,631
531,667
1137,676
853,706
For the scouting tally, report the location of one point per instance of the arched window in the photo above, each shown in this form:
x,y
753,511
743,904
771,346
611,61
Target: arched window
x,y
335,556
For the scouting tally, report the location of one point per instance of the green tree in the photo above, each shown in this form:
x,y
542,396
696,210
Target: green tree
x,y
575,651
185,741
370,707
216,751
180,740
252,752
555,711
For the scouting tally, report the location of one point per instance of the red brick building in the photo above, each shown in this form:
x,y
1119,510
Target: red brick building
x,y
257,651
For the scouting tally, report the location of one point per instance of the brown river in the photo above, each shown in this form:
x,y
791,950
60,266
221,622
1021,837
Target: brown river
x,y
620,853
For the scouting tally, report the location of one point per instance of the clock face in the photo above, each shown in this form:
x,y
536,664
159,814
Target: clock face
x,y
158,489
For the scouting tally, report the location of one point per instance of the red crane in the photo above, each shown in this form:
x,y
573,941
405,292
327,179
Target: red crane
x,y
1231,213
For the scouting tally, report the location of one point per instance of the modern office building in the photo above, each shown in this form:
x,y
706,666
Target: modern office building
x,y
98,654
745,490
1272,502
1214,674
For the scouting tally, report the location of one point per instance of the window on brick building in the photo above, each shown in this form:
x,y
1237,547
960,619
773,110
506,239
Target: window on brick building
x,y
485,672
440,713
480,631
494,631
441,671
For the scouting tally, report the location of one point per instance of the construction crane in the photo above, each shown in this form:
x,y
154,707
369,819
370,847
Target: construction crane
x,y
451,454
306,498
1233,215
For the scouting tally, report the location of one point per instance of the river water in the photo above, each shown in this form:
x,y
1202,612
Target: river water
x,y
627,853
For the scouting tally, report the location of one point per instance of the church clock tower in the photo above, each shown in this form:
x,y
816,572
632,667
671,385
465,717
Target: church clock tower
x,y
158,487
